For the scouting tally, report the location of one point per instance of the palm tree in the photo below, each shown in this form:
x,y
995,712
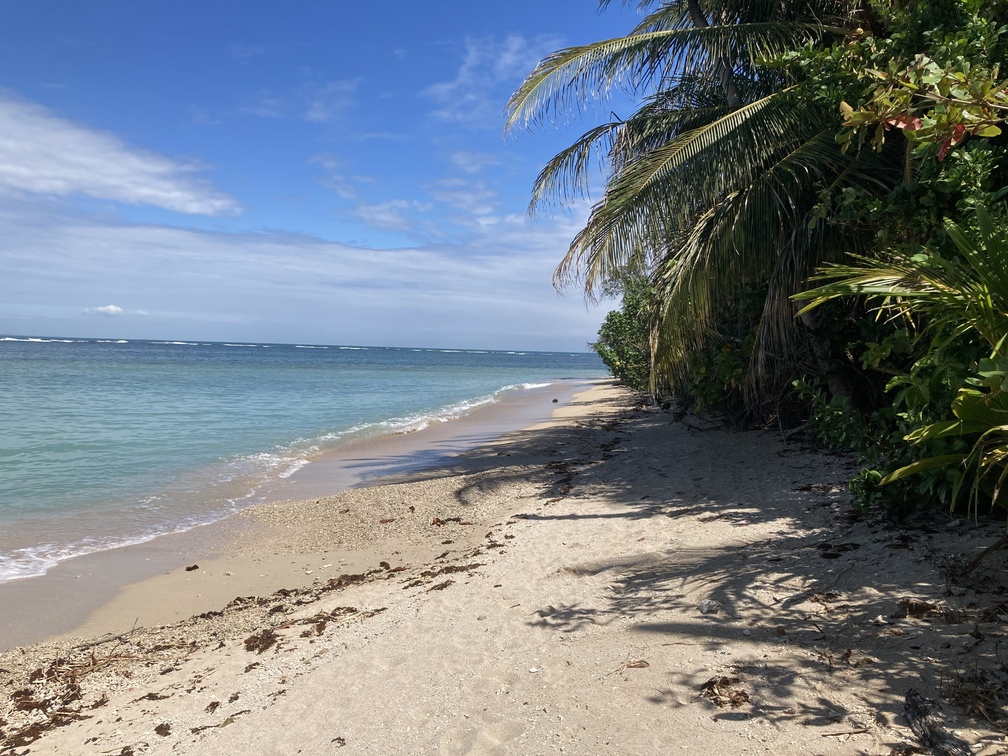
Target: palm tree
x,y
712,183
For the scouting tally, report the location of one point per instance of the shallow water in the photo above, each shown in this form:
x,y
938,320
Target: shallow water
x,y
104,443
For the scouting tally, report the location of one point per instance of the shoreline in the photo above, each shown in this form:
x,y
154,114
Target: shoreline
x,y
618,583
60,602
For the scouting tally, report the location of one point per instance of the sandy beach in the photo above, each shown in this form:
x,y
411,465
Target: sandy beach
x,y
609,582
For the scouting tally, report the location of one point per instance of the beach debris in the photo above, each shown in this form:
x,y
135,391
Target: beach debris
x,y
386,520
228,573
192,567
924,717
719,691
980,694
637,664
709,606
828,550
339,742
152,697
534,670
914,607
262,641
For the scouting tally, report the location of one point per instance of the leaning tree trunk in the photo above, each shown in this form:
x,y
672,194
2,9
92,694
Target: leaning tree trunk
x,y
838,384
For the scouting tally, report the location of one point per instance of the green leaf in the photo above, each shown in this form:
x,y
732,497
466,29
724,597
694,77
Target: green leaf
x,y
931,463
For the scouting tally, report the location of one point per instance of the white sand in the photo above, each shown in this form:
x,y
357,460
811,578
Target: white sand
x,y
568,617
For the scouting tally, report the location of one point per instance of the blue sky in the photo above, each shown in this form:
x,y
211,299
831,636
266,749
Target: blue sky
x,y
323,172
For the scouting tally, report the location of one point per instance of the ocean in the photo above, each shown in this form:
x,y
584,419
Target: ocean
x,y
104,443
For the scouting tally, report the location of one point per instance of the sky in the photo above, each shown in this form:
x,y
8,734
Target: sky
x,y
318,171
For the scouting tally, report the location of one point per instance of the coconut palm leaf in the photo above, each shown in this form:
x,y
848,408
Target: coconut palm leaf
x,y
956,295
568,77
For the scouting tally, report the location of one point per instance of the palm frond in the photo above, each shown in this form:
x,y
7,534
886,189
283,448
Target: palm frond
x,y
577,74
660,195
957,295
756,234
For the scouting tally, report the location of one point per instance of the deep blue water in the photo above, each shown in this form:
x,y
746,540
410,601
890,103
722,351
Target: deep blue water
x,y
110,442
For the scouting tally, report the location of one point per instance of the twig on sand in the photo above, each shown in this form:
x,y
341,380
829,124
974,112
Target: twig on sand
x,y
998,544
845,732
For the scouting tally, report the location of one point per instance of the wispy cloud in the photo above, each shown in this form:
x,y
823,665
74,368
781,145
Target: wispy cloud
x,y
313,101
494,291
244,53
336,178
110,310
44,154
328,101
201,117
392,215
490,69
472,198
474,162
267,104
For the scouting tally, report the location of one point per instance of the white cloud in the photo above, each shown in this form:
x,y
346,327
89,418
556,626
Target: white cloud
x,y
490,70
473,198
494,291
473,162
44,154
393,215
111,309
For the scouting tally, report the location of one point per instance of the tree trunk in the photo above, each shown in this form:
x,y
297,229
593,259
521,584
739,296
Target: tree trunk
x,y
724,65
836,381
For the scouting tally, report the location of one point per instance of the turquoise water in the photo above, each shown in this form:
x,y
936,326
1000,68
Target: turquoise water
x,y
104,443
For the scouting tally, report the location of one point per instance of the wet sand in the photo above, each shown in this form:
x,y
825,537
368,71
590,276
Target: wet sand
x,y
60,602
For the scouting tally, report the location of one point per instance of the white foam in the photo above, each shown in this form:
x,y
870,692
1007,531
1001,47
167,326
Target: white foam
x,y
293,468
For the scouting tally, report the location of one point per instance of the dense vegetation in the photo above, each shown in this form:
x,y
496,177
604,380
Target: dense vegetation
x,y
805,219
